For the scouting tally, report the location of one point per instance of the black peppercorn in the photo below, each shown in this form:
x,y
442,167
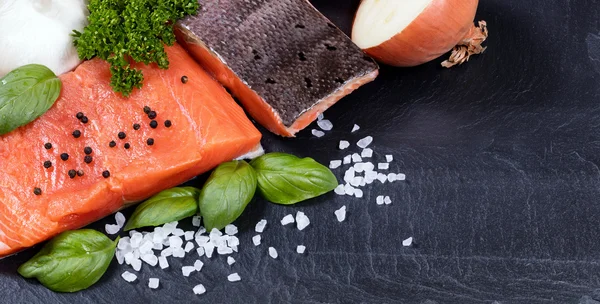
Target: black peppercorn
x,y
47,164
150,141
122,135
136,126
80,173
106,174
127,146
84,119
72,173
153,124
64,156
87,150
147,109
37,191
168,123
152,115
112,144
184,79
79,115
48,146
87,159
76,133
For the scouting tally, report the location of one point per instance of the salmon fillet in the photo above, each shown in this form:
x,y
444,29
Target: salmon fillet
x,y
282,59
207,128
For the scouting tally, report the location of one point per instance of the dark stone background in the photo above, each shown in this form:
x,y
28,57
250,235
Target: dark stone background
x,y
501,157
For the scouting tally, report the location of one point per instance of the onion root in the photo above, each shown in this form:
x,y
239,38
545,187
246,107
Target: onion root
x,y
468,46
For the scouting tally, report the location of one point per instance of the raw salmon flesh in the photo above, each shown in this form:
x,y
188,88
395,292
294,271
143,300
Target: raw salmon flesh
x,y
207,127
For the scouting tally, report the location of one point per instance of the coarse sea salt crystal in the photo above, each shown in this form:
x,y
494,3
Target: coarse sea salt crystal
x,y
300,249
302,221
359,167
358,193
200,251
202,239
128,258
387,200
400,177
355,128
178,252
157,246
256,240
153,283
175,242
112,229
199,289
407,242
349,174
391,177
200,231
356,181
366,153
344,144
136,264
187,270
178,232
379,200
224,250
230,260
356,158
339,190
168,228
368,166
208,249
120,219
196,221
260,226
150,259
162,262
273,252
136,240
320,116
288,219
348,189
317,133
231,229
325,124
123,243
189,235
234,277
198,265
146,247
389,158
128,276
382,177
167,252
383,166
347,159
189,246
340,214
334,164
120,257
364,142
233,241
215,233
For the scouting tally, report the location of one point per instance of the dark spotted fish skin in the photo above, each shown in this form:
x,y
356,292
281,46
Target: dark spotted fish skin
x,y
284,50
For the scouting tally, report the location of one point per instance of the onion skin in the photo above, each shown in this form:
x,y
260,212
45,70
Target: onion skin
x,y
441,26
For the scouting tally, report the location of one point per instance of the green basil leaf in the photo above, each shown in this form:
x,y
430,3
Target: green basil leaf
x,y
72,261
25,94
226,194
168,206
286,179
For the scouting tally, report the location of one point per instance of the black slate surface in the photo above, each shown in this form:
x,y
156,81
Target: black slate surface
x,y
502,197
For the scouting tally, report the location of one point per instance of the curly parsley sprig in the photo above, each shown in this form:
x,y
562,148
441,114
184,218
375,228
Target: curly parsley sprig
x,y
124,30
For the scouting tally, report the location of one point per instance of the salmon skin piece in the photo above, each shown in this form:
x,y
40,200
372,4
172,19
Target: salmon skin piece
x,y
207,128
282,59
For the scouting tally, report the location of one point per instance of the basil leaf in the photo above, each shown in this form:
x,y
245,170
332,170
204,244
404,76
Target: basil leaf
x,y
25,94
226,194
72,261
170,205
286,179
